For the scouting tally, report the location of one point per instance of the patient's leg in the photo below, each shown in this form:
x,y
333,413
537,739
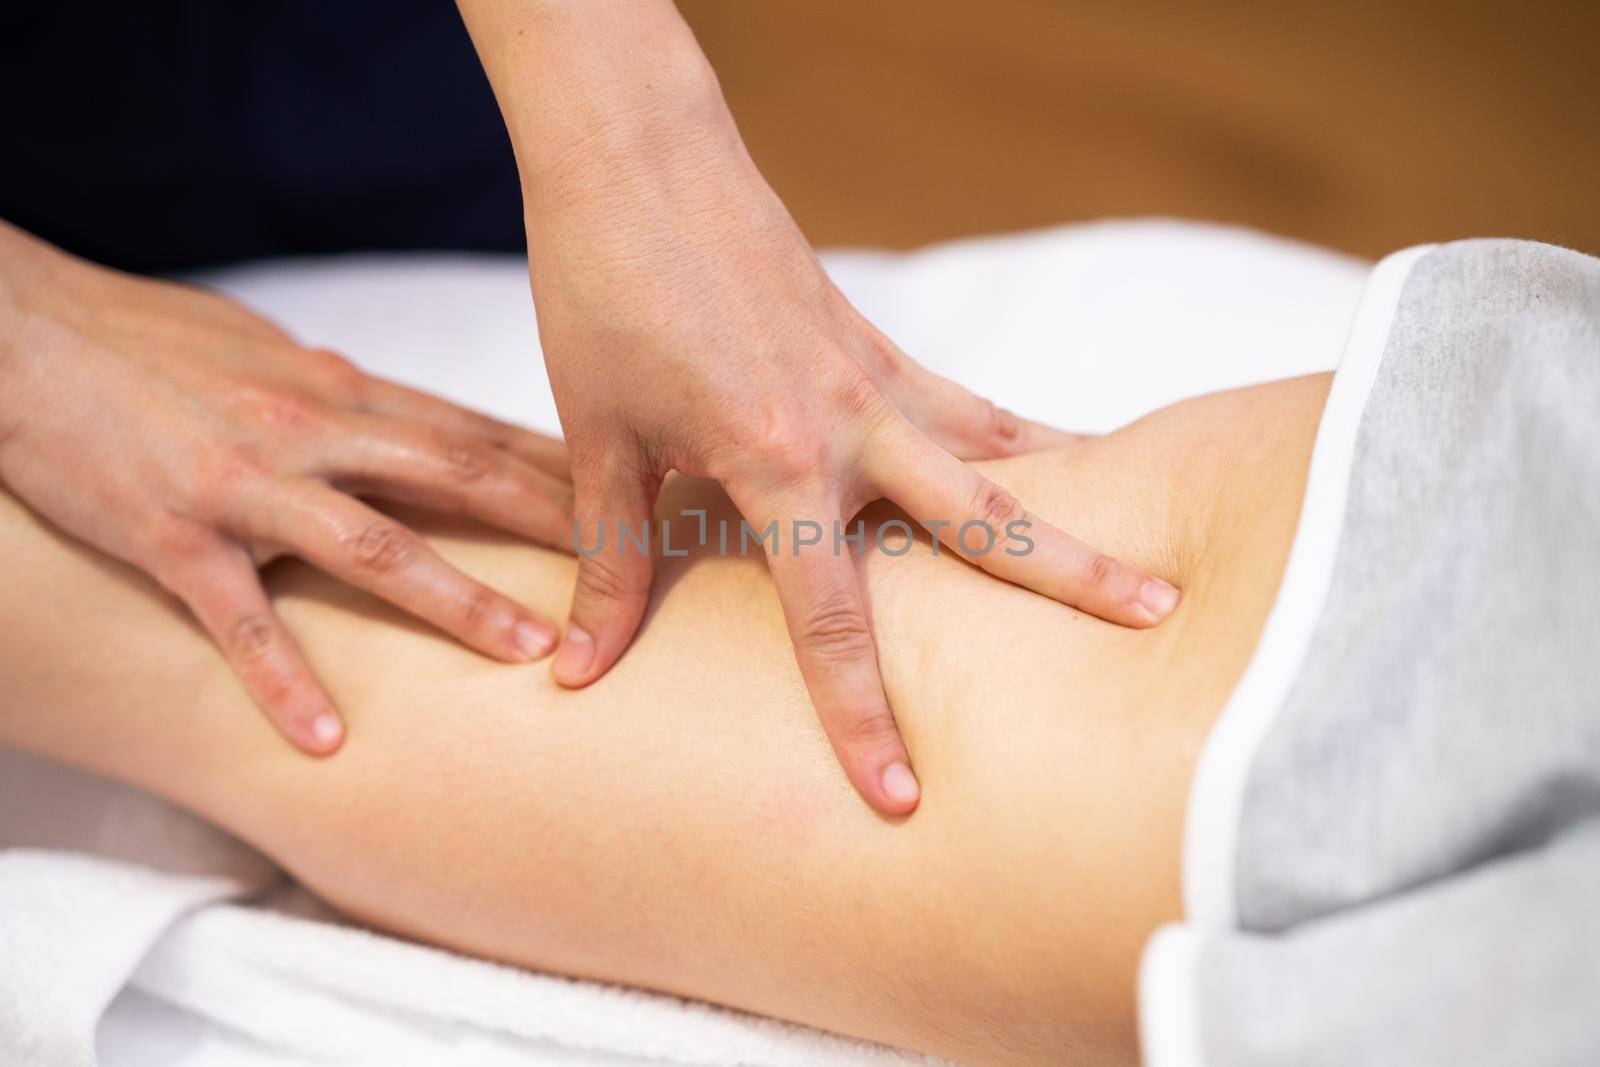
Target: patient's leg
x,y
682,824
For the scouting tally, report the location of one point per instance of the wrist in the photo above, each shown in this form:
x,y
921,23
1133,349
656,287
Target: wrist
x,y
26,263
611,91
15,266
674,122
36,279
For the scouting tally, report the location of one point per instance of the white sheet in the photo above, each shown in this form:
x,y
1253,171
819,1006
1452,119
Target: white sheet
x,y
105,893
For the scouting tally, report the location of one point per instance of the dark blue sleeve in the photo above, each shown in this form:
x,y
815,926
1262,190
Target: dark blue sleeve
x,y
167,136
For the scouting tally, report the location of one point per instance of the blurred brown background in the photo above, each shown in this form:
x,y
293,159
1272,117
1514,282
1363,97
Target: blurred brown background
x,y
1363,126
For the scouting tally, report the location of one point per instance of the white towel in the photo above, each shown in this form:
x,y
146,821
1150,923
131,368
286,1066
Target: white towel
x,y
132,934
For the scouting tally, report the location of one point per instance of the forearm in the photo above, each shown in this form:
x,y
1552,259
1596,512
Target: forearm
x,y
30,343
618,123
23,258
589,88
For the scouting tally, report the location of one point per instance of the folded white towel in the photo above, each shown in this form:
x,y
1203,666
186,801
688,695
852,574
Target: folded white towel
x,y
132,929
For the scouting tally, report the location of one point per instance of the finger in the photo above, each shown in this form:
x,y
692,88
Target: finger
x,y
224,591
965,424
344,537
1006,540
383,397
417,463
612,536
821,598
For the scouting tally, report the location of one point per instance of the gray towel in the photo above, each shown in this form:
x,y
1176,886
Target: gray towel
x,y
1416,871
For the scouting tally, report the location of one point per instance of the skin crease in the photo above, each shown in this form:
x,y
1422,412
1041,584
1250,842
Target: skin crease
x,y
687,326
682,824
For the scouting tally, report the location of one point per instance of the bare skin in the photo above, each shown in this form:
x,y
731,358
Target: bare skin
x,y
682,825
189,437
686,325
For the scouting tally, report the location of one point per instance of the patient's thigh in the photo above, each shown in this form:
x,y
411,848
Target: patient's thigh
x,y
681,825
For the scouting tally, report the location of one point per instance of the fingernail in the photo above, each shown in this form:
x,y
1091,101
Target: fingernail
x,y
900,785
1158,597
535,640
326,729
577,652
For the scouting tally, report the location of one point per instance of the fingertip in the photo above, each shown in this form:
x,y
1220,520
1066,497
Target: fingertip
x,y
324,735
575,658
1157,600
899,788
533,639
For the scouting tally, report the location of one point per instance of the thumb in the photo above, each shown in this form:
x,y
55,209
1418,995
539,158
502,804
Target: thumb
x,y
611,533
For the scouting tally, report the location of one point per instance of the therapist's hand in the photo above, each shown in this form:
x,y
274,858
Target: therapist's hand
x,y
687,325
177,431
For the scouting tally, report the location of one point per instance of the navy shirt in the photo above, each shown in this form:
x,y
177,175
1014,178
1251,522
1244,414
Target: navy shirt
x,y
162,136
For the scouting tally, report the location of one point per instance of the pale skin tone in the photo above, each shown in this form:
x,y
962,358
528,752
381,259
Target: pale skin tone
x,y
188,436
681,825
686,325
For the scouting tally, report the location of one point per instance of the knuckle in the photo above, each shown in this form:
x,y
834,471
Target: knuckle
x,y
335,373
283,410
468,461
995,506
867,729
383,548
601,578
788,449
252,638
220,479
836,632
884,359
479,607
276,695
858,396
1002,424
180,542
1099,570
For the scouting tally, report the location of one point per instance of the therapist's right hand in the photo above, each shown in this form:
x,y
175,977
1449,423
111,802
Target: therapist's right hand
x,y
178,431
